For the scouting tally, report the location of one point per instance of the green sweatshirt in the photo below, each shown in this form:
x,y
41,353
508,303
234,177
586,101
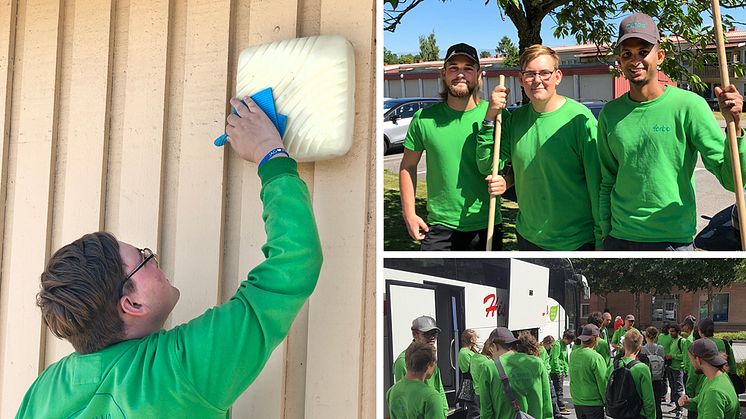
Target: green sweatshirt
x,y
544,356
588,377
557,175
717,400
665,342
198,369
616,339
648,153
400,370
457,195
478,365
413,399
602,347
643,384
558,358
677,352
529,382
464,359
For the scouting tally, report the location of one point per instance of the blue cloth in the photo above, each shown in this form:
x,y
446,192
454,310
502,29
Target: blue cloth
x,y
266,102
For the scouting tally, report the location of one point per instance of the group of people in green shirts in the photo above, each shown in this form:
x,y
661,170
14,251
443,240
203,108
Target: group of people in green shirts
x,y
622,182
687,358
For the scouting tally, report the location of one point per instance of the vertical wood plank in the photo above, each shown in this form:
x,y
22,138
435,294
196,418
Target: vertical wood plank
x,y
200,166
27,225
83,133
265,22
340,196
141,171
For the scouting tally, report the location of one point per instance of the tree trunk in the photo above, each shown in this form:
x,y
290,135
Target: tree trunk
x,y
637,305
528,25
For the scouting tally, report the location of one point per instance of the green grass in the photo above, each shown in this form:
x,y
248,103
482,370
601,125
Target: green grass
x,y
395,236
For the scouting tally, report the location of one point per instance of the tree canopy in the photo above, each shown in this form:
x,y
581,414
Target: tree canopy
x,y
592,21
506,48
429,50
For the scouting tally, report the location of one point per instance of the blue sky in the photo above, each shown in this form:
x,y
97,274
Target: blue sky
x,y
473,22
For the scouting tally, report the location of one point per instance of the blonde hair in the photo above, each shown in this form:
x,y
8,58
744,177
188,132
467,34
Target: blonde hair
x,y
535,51
632,341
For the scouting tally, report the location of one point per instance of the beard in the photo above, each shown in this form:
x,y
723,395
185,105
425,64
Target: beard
x,y
459,92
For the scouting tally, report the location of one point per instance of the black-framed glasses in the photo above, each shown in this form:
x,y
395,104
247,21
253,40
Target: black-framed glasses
x,y
544,75
431,333
146,254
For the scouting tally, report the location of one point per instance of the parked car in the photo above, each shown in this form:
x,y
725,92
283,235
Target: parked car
x,y
397,114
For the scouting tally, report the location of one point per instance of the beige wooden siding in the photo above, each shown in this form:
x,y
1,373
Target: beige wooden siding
x,y
108,109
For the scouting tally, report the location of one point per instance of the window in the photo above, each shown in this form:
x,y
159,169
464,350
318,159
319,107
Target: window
x,y
720,303
407,110
585,310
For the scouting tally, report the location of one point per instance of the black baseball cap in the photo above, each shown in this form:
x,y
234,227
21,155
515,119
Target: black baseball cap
x,y
502,335
462,49
706,350
588,332
638,25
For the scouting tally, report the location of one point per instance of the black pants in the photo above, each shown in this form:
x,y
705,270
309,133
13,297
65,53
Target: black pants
x,y
590,412
443,238
612,243
659,390
557,382
524,244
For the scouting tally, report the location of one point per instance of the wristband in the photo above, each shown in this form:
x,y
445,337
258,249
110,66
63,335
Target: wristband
x,y
272,153
488,123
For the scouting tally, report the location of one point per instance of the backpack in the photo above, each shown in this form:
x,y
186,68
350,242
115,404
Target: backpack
x,y
657,363
622,399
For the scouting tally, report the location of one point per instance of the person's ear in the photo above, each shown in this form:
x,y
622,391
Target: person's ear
x,y
660,54
130,306
558,75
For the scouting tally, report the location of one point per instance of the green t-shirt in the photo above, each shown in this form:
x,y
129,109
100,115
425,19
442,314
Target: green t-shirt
x,y
413,399
198,369
665,342
587,377
557,175
529,382
716,400
602,347
464,359
695,381
648,152
457,195
643,384
400,370
678,352
618,337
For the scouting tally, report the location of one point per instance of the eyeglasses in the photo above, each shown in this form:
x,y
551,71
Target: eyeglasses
x,y
431,333
146,255
544,75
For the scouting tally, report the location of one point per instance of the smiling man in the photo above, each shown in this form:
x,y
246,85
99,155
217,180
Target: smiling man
x,y
110,300
457,201
424,330
648,140
551,142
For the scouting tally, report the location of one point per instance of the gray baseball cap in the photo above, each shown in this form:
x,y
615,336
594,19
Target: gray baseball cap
x,y
638,25
502,335
424,324
588,332
707,351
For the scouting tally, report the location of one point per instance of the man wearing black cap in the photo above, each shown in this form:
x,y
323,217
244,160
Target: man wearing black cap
x,y
717,398
527,378
648,140
457,199
588,376
694,381
424,330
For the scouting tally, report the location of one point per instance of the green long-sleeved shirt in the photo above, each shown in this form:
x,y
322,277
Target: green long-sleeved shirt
x,y
400,370
413,399
677,352
717,400
616,338
648,152
557,175
478,366
664,340
558,358
464,359
529,382
198,369
588,377
643,384
602,347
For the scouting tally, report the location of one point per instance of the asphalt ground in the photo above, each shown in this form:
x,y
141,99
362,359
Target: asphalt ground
x,y
711,196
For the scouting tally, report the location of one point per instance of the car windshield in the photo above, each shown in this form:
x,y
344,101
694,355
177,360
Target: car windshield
x,y
388,104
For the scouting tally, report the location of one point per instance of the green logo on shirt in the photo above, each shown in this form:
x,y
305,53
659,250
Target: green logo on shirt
x,y
661,128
